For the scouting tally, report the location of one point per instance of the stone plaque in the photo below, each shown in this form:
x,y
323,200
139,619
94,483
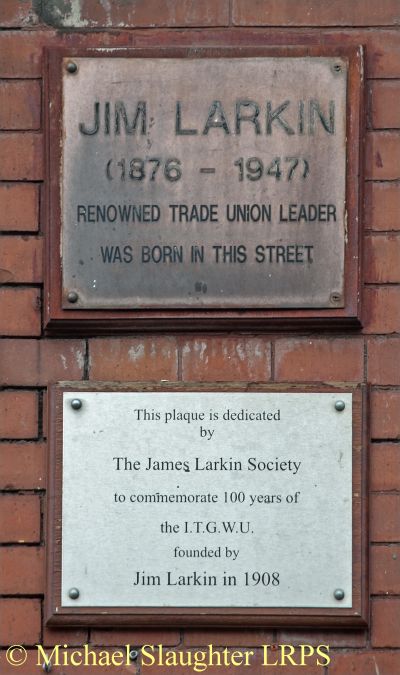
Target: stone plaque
x,y
203,183
207,499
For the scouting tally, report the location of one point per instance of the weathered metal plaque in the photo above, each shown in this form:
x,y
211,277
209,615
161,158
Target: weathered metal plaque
x,y
207,499
203,182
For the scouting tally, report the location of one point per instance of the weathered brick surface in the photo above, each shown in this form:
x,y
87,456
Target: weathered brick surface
x,y
382,206
218,358
382,309
385,414
382,259
385,517
385,466
21,156
385,570
20,105
307,359
383,360
145,13
20,259
367,663
19,311
17,13
18,414
309,13
20,620
146,358
135,637
228,638
384,104
22,570
382,150
38,362
19,207
385,623
22,466
19,518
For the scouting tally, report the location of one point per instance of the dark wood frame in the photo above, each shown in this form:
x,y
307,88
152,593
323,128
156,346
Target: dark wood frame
x,y
355,616
67,321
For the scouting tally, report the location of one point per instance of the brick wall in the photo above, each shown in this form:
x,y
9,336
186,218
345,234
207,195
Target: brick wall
x,y
28,361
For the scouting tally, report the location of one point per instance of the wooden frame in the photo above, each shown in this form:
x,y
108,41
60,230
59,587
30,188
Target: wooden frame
x,y
67,321
356,616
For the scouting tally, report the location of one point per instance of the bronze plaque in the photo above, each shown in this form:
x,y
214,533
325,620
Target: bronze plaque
x,y
203,182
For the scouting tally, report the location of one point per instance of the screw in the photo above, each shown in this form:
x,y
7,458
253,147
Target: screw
x,y
76,403
337,68
47,667
72,296
340,405
133,655
336,297
73,593
72,68
339,594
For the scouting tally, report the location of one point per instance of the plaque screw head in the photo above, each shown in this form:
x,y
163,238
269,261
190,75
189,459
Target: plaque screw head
x,y
339,594
76,403
337,68
340,406
47,667
133,655
72,296
72,68
335,297
73,593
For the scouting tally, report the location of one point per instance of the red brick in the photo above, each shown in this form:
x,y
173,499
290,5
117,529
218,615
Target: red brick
x,y
333,638
227,638
18,414
226,358
134,637
382,259
365,663
385,414
382,206
385,623
382,310
22,570
19,207
384,104
383,360
21,156
385,570
73,637
120,14
20,259
22,466
19,621
385,517
306,359
144,358
382,151
19,518
20,105
31,666
16,13
309,13
38,362
385,467
19,311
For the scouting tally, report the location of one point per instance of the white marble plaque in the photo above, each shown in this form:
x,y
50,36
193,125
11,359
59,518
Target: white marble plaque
x,y
207,499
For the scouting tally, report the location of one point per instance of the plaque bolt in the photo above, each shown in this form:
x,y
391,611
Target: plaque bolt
x,y
336,297
133,655
76,403
72,296
72,67
73,593
340,406
339,594
337,68
47,667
